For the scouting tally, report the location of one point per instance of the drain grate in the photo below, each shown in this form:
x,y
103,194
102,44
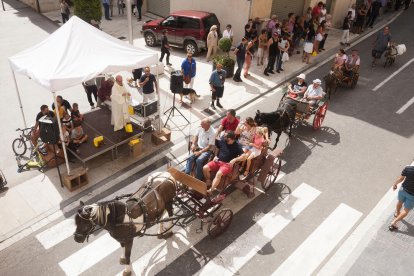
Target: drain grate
x,y
122,37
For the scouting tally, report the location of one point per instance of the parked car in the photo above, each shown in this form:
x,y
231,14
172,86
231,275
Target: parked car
x,y
187,29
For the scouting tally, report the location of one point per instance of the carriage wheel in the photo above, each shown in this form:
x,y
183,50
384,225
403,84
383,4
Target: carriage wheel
x,y
272,174
354,81
320,116
221,221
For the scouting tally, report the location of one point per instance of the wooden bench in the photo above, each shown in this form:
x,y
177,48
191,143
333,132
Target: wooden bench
x,y
189,181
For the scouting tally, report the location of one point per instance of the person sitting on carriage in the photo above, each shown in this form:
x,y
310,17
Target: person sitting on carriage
x,y
229,150
313,94
297,88
254,149
352,65
230,122
339,62
201,148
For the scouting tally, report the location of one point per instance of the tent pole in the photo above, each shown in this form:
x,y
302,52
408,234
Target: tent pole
x,y
61,133
18,97
158,96
129,18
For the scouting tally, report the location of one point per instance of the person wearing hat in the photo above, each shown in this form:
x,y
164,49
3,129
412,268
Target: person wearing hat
x,y
105,91
297,88
314,93
273,53
212,42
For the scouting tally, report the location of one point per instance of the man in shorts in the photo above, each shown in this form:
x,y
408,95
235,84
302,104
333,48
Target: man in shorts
x,y
382,41
223,163
405,196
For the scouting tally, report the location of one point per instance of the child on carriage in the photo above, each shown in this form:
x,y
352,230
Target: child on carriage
x,y
253,150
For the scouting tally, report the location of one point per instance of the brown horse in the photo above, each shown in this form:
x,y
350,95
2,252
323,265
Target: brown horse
x,y
125,221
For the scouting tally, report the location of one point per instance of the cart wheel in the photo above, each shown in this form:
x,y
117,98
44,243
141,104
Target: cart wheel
x,y
320,116
272,174
221,221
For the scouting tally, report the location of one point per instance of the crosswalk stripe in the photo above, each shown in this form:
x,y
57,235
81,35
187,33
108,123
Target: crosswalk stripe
x,y
239,252
311,253
57,233
181,241
89,255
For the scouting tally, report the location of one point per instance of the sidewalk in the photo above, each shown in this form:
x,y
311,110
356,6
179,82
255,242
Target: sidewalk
x,y
31,205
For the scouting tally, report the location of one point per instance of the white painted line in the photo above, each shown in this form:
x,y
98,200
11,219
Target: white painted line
x,y
57,233
404,107
311,253
245,247
89,255
392,75
351,249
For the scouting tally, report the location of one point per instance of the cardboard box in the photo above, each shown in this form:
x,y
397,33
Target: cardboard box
x,y
161,137
136,149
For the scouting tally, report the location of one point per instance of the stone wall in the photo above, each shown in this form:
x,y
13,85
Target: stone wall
x,y
45,5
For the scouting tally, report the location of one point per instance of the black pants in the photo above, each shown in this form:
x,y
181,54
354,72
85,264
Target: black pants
x,y
270,64
65,17
322,43
139,7
371,19
165,52
91,89
407,4
279,61
217,93
240,62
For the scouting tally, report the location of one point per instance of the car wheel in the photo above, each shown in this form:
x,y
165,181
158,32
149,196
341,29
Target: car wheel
x,y
150,39
191,47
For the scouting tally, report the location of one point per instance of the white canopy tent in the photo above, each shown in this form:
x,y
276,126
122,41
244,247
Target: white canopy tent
x,y
75,53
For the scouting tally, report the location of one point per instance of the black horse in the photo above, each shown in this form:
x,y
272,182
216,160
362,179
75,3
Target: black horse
x,y
332,81
279,120
126,220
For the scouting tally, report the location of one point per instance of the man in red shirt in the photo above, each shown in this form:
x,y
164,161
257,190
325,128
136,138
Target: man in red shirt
x,y
230,122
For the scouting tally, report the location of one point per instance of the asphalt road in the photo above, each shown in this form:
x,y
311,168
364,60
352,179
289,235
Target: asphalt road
x,y
351,161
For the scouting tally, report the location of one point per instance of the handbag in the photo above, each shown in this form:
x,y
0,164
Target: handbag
x,y
314,53
187,79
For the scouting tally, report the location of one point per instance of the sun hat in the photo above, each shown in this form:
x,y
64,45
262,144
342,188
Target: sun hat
x,y
318,81
301,76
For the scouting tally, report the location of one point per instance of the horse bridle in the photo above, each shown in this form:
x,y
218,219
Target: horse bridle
x,y
90,231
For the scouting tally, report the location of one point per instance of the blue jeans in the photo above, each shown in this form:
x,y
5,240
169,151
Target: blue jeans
x,y
200,161
279,62
106,10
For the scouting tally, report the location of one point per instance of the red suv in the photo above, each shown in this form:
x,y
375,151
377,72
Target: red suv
x,y
187,29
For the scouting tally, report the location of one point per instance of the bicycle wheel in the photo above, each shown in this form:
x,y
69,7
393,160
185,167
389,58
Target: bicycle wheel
x,y
19,146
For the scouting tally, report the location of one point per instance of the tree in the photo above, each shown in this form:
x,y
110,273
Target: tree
x,y
88,10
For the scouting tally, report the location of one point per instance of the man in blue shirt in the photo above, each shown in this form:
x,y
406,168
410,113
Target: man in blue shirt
x,y
240,53
148,84
216,81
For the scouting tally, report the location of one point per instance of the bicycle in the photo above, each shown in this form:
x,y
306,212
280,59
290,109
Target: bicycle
x,y
19,145
34,161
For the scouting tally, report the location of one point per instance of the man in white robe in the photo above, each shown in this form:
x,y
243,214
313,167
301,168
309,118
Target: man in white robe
x,y
120,101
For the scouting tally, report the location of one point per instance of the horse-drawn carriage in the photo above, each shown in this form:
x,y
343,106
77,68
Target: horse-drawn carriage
x,y
337,78
182,196
292,112
392,52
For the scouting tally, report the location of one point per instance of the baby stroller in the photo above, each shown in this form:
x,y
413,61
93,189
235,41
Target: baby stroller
x,y
3,181
392,52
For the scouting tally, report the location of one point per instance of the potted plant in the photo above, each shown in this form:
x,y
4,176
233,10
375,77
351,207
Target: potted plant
x,y
225,60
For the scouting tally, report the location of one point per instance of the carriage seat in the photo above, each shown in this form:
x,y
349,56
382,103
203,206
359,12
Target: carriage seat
x,y
193,168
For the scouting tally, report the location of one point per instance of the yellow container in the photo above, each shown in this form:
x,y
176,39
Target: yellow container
x,y
97,141
134,142
128,128
131,110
